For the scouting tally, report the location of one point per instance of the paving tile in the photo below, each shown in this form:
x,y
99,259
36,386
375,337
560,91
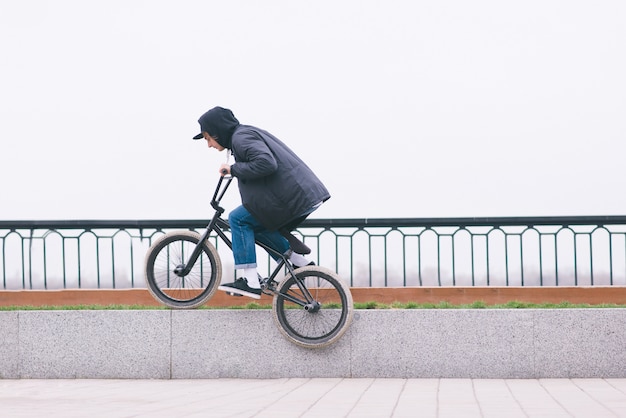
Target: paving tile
x,y
313,397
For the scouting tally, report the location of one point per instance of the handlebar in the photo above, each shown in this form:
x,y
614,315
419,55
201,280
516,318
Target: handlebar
x,y
220,189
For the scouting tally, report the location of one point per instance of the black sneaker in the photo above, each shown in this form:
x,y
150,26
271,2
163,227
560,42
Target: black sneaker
x,y
240,288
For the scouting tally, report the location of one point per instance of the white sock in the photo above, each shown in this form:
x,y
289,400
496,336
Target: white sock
x,y
252,277
298,259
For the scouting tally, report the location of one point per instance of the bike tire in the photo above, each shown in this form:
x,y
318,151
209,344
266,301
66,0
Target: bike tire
x,y
192,290
307,328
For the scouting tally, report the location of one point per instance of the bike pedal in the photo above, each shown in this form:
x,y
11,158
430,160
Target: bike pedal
x,y
270,287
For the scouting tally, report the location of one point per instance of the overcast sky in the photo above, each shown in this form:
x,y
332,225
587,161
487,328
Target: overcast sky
x,y
404,108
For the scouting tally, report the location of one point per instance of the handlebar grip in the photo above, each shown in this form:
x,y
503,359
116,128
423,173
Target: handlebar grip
x,y
224,171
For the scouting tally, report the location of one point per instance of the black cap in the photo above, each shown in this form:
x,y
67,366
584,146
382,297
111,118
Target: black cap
x,y
220,123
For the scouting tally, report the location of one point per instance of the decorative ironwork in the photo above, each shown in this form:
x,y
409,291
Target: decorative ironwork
x,y
504,251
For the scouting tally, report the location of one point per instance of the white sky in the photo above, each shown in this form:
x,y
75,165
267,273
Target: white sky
x,y
404,108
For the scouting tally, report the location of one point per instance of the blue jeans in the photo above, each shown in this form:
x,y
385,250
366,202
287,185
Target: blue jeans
x,y
244,229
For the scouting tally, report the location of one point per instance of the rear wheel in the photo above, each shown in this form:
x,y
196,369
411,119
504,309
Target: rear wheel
x,y
316,321
163,262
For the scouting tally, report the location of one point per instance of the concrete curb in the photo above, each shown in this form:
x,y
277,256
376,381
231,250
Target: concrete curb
x,y
437,343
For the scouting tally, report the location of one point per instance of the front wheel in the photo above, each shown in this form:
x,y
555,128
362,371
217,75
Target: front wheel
x,y
313,309
164,260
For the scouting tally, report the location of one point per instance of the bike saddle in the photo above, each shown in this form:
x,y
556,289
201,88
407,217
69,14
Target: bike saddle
x,y
296,245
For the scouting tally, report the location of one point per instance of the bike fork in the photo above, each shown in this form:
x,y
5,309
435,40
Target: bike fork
x,y
183,270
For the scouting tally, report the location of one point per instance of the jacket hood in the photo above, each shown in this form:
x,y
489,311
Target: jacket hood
x,y
220,123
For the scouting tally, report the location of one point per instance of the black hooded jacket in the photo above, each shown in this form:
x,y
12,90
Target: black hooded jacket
x,y
276,186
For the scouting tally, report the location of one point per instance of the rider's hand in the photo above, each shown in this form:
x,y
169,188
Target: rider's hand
x,y
224,169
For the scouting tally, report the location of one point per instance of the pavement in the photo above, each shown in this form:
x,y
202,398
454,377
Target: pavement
x,y
327,398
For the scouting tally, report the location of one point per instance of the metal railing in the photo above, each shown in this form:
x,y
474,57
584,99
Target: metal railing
x,y
515,251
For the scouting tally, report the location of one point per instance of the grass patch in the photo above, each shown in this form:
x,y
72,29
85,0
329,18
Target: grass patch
x,y
360,305
81,308
369,305
508,305
251,305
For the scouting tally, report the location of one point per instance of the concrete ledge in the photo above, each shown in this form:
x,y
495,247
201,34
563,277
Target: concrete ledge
x,y
526,343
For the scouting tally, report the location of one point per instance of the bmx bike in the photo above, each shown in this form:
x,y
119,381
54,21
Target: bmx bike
x,y
312,307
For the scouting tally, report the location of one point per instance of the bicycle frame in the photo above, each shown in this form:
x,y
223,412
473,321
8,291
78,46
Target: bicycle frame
x,y
218,225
